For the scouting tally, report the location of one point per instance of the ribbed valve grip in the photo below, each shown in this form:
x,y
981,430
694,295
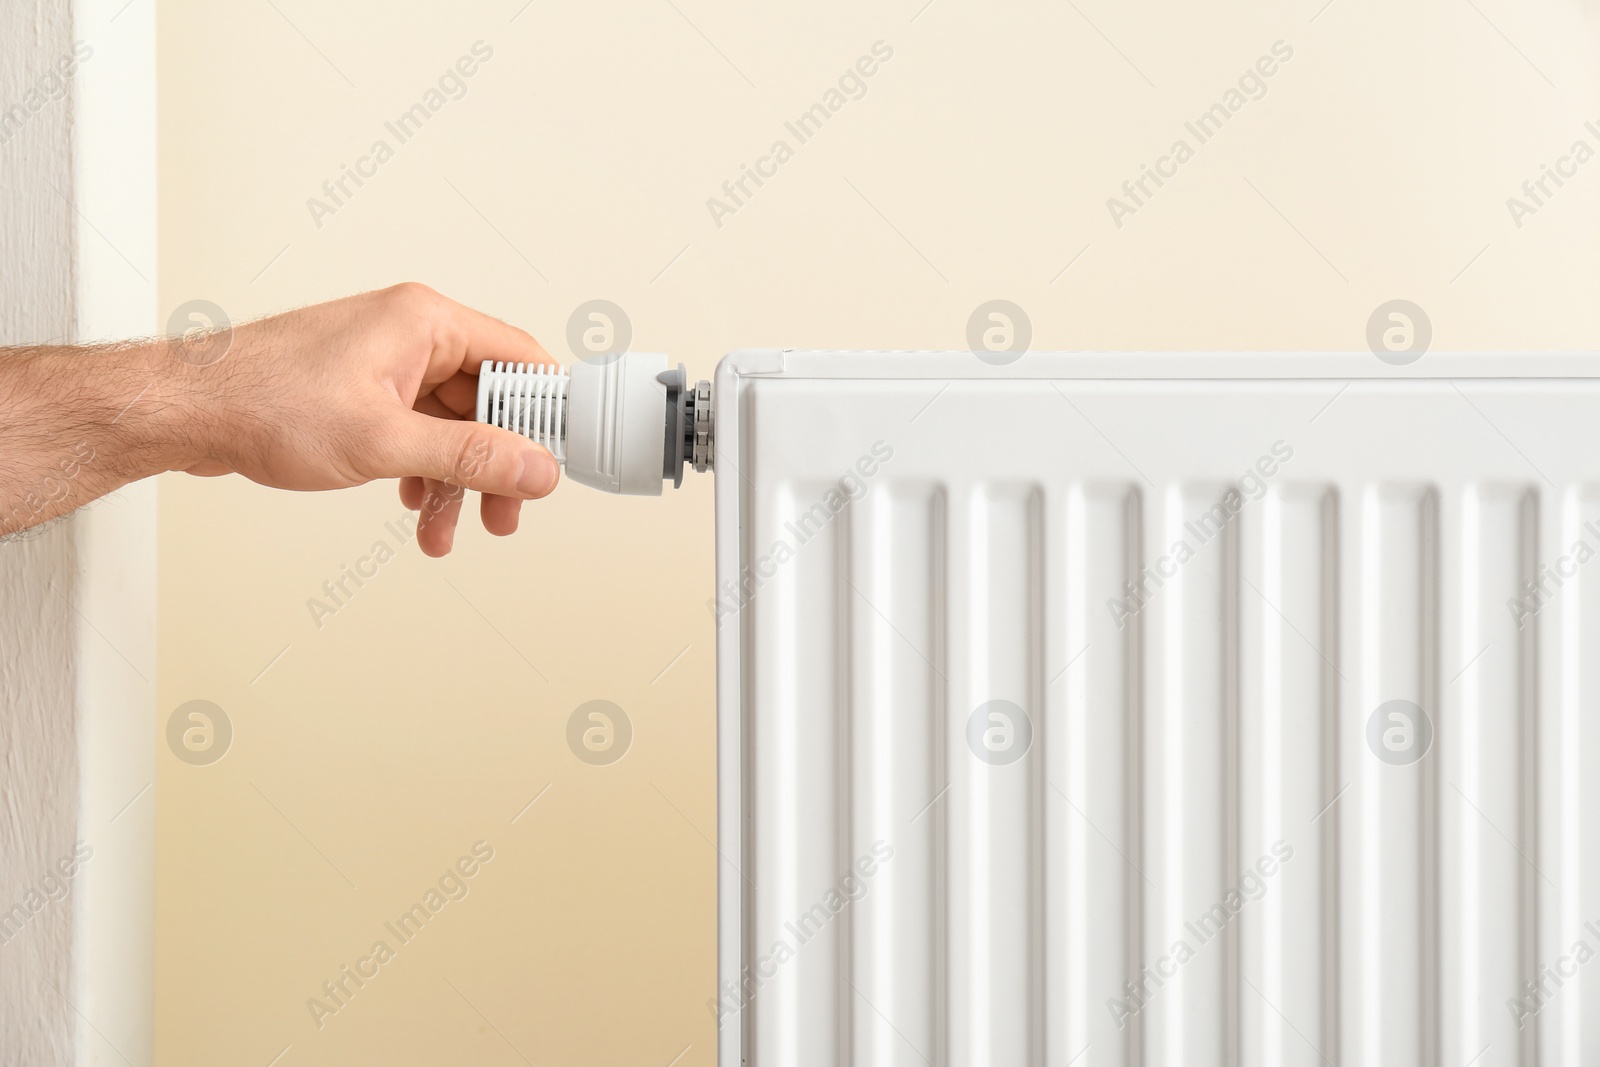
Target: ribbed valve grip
x,y
529,399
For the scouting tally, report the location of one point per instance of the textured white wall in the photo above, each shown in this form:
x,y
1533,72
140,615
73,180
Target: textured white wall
x,y
77,814
38,654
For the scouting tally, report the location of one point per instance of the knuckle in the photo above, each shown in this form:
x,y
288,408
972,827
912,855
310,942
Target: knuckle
x,y
412,292
412,299
449,333
431,312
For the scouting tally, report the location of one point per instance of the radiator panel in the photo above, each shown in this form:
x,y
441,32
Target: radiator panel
x,y
1121,721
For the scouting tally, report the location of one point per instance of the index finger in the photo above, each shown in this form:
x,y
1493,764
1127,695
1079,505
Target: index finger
x,y
464,339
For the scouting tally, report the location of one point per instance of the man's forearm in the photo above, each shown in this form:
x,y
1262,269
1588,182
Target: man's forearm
x,y
379,385
79,422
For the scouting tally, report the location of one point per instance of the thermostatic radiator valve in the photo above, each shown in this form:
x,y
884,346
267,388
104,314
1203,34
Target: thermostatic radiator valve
x,y
624,424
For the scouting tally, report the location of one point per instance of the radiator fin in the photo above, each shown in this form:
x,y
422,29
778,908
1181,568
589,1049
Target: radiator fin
x,y
1090,746
1486,800
897,678
793,981
1568,1007
994,800
1289,777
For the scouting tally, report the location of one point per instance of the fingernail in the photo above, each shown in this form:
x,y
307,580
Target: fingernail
x,y
539,474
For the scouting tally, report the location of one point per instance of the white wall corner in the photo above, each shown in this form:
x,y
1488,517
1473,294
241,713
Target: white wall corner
x,y
114,179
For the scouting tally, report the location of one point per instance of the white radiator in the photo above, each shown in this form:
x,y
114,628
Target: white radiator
x,y
1113,710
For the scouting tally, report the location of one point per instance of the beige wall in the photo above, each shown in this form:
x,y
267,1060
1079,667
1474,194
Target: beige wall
x,y
377,749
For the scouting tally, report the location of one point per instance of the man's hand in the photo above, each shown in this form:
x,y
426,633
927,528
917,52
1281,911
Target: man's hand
x,y
381,385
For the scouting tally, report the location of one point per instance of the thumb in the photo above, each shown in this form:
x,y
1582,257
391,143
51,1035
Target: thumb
x,y
471,454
